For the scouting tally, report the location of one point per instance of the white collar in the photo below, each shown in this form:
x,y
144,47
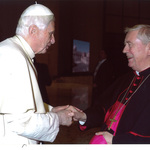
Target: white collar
x,y
137,73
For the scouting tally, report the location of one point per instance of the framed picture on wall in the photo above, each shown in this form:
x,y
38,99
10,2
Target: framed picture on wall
x,y
81,56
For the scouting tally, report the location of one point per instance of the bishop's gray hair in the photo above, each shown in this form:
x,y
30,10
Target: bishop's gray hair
x,y
26,21
143,32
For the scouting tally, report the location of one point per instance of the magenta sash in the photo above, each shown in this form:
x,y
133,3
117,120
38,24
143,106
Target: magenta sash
x,y
99,139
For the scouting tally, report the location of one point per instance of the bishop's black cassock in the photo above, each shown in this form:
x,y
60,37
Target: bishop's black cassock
x,y
133,92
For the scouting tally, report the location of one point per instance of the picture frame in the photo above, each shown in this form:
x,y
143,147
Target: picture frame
x,y
80,57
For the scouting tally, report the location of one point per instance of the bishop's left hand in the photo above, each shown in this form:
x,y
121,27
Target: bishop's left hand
x,y
108,136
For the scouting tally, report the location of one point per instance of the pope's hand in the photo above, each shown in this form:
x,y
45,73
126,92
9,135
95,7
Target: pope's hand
x,y
65,117
79,115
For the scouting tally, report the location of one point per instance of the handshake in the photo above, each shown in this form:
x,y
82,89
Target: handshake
x,y
67,114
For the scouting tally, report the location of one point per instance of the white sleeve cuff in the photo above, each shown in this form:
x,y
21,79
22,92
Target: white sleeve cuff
x,y
48,108
81,122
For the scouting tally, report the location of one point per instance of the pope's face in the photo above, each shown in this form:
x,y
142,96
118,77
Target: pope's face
x,y
45,38
136,52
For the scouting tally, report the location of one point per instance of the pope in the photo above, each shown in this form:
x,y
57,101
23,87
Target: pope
x,y
24,118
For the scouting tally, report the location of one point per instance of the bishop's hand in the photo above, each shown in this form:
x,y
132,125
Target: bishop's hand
x,y
108,136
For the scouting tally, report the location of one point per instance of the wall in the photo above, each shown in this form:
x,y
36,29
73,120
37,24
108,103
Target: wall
x,y
119,14
80,20
100,22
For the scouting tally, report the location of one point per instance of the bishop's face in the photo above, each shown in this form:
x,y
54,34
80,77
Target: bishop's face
x,y
45,38
136,52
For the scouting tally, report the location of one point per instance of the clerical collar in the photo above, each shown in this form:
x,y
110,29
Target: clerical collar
x,y
145,72
27,46
137,73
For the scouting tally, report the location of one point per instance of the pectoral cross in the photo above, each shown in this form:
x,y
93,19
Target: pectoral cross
x,y
112,121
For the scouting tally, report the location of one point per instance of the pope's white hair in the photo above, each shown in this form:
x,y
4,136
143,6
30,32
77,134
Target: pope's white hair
x,y
25,22
36,14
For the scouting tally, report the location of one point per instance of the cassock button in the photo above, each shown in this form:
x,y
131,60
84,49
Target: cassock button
x,y
131,91
138,78
134,84
126,98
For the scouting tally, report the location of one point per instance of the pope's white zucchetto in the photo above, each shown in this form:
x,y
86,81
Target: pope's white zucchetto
x,y
37,10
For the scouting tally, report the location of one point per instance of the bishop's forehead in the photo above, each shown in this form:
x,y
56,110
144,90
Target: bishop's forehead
x,y
37,10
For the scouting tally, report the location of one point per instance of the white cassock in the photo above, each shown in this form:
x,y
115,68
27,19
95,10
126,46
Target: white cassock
x,y
24,118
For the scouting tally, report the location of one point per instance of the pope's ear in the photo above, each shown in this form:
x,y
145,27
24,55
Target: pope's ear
x,y
33,29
